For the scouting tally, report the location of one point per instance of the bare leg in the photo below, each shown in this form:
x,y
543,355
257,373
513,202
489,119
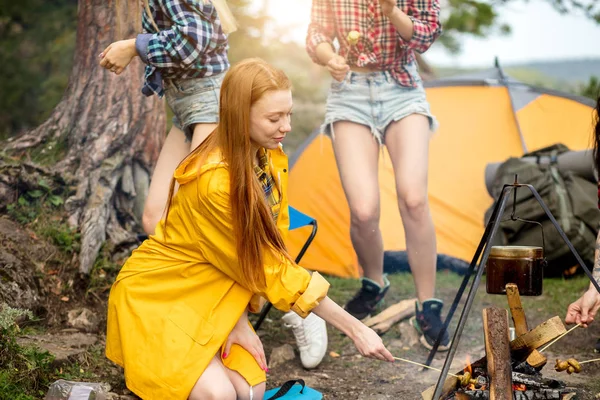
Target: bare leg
x,y
213,384
201,132
407,141
356,154
242,388
175,149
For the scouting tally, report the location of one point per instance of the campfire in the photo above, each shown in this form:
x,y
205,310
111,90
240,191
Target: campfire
x,y
512,369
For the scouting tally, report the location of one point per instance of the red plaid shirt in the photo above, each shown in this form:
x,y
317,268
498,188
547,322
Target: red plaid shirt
x,y
380,45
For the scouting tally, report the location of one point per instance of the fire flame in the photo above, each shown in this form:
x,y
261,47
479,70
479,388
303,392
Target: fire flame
x,y
520,387
468,367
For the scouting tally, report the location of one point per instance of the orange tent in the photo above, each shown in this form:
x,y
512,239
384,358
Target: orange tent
x,y
483,118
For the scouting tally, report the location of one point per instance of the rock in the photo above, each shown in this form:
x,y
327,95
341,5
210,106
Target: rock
x,y
395,344
281,354
114,396
409,335
83,319
63,347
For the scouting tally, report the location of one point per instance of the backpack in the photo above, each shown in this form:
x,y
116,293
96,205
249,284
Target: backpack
x,y
572,200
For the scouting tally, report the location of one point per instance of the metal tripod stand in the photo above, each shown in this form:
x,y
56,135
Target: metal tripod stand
x,y
484,245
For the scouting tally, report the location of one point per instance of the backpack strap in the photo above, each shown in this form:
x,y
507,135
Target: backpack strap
x,y
286,388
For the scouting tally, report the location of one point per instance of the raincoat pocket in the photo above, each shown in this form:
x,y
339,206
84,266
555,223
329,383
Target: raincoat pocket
x,y
192,324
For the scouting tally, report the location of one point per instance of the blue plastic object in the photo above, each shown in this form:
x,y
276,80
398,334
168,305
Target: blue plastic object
x,y
298,219
290,391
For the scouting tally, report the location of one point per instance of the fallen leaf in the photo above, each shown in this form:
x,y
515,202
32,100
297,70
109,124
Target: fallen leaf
x,y
64,298
333,354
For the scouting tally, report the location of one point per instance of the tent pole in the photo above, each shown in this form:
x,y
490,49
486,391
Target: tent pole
x,y
504,81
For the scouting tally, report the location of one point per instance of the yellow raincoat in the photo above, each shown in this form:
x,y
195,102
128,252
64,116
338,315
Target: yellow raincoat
x,y
177,298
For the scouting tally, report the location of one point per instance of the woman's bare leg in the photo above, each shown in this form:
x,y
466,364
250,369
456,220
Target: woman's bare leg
x,y
407,142
242,388
175,149
213,384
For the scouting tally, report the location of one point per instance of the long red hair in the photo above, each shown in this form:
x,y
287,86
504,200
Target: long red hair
x,y
254,229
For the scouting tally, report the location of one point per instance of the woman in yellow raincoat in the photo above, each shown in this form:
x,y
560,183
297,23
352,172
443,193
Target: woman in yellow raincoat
x,y
177,314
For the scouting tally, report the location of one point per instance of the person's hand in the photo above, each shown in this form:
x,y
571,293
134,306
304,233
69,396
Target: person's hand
x,y
117,56
337,67
369,344
584,309
387,6
243,335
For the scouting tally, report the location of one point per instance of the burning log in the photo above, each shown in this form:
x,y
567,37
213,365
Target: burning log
x,y
497,348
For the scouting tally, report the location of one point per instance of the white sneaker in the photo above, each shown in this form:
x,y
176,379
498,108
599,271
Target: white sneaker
x,y
311,337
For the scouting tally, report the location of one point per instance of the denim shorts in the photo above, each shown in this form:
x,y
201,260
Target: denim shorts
x,y
193,101
375,99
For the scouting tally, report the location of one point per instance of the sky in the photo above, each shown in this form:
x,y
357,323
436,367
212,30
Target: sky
x,y
539,33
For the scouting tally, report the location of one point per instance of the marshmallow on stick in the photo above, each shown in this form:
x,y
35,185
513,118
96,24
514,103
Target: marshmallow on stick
x,y
353,38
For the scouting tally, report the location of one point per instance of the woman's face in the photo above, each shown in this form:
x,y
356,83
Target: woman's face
x,y
270,118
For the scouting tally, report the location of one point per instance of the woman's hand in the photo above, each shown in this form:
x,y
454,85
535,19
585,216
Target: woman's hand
x,y
584,309
369,344
337,67
243,335
387,7
117,56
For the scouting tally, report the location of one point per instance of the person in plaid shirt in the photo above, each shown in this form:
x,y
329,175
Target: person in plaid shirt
x,y
377,98
184,46
584,309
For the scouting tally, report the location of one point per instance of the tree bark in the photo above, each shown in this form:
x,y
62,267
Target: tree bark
x,y
112,133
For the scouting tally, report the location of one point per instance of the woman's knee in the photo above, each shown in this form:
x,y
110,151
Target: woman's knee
x,y
413,203
214,391
364,215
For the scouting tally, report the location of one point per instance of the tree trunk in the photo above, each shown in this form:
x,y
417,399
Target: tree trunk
x,y
112,133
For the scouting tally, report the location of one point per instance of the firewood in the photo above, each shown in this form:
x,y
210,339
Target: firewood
x,y
536,359
497,349
450,385
516,309
396,312
385,325
539,335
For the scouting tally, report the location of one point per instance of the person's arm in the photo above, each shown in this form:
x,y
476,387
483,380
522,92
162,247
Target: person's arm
x,y
584,309
368,343
288,286
182,44
321,31
420,27
596,270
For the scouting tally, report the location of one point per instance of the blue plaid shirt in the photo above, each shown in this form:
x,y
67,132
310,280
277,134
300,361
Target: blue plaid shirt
x,y
190,44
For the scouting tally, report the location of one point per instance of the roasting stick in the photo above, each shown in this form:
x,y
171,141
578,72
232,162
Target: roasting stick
x,y
425,366
589,361
558,338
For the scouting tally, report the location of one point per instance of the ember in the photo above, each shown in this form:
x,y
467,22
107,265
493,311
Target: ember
x,y
519,386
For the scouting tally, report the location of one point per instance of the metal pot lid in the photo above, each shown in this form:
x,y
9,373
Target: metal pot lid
x,y
517,251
